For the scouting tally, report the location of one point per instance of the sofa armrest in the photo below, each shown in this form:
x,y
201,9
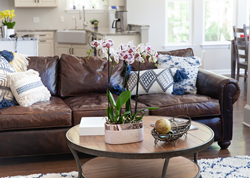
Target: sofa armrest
x,y
217,86
226,90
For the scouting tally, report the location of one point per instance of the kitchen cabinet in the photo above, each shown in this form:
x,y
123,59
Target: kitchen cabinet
x,y
36,3
45,41
46,47
77,50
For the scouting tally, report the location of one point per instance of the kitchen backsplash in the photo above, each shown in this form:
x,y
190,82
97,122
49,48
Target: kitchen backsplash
x,y
50,17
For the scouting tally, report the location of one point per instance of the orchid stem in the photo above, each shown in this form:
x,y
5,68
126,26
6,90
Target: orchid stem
x,y
137,86
108,85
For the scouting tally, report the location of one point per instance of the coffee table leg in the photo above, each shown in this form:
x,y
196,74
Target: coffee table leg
x,y
164,170
195,157
78,163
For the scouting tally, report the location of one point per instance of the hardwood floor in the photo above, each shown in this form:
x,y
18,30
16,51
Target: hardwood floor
x,y
66,163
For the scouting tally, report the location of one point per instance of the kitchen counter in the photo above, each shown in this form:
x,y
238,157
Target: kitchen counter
x,y
109,31
36,30
19,39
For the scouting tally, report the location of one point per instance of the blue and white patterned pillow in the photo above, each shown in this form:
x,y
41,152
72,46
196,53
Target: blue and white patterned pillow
x,y
152,81
5,92
27,87
190,65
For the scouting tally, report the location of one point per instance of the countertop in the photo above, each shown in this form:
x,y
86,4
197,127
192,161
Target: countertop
x,y
36,30
19,39
110,31
101,31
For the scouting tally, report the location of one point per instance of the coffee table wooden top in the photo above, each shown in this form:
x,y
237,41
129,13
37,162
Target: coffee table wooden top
x,y
195,141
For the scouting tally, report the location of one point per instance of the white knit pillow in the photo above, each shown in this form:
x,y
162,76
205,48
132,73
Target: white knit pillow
x,y
27,87
152,81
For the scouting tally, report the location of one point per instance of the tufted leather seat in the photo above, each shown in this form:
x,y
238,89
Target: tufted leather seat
x,y
91,105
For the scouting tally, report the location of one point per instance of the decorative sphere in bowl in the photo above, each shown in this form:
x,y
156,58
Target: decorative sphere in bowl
x,y
162,126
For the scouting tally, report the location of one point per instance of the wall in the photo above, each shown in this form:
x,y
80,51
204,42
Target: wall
x,y
50,16
148,12
144,12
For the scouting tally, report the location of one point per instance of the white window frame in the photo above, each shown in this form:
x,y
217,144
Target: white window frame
x,y
77,11
218,44
179,44
248,11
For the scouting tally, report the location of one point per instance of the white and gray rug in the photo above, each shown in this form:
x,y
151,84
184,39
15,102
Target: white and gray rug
x,y
238,166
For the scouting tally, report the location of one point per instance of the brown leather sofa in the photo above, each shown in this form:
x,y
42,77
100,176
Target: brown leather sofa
x,y
78,89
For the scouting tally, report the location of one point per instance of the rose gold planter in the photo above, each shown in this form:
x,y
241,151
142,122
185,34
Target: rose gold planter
x,y
123,133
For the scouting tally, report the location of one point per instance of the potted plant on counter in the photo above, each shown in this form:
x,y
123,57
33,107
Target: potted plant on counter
x,y
127,125
93,23
6,16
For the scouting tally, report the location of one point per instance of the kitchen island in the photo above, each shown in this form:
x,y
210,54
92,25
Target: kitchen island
x,y
28,46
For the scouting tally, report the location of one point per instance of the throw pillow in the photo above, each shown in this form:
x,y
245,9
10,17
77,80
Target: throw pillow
x,y
19,62
189,65
152,81
5,92
27,87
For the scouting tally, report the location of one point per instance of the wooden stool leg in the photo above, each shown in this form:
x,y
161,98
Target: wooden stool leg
x,y
238,73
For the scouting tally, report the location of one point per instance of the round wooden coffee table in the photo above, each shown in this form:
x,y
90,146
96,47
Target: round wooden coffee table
x,y
141,159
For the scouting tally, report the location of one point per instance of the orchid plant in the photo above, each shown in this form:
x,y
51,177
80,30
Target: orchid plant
x,y
128,53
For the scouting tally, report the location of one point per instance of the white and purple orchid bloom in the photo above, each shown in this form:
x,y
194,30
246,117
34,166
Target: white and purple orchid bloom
x,y
124,55
138,57
114,55
95,43
126,52
107,43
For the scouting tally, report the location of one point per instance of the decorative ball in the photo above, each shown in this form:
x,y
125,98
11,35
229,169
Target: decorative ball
x,y
162,126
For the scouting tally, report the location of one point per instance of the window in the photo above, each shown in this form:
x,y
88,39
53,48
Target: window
x,y
88,4
218,20
248,13
178,21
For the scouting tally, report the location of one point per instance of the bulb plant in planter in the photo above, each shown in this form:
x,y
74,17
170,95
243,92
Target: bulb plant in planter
x,y
120,125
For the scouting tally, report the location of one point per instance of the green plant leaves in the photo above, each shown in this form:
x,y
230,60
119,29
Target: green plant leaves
x,y
122,99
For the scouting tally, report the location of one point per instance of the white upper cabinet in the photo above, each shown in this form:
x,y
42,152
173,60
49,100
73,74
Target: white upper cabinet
x,y
36,3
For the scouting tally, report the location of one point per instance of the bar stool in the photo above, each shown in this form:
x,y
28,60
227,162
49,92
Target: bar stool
x,y
241,45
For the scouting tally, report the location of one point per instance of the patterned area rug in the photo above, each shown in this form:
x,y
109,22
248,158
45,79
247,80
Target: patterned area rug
x,y
238,166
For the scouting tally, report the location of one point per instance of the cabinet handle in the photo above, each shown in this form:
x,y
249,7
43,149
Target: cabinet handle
x,y
42,35
42,40
38,1
72,50
69,51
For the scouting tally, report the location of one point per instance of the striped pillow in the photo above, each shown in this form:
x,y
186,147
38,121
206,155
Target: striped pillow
x,y
28,88
5,68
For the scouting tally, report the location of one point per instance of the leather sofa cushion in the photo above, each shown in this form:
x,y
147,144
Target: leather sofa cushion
x,y
33,142
78,75
48,71
192,105
92,105
149,65
188,52
51,114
